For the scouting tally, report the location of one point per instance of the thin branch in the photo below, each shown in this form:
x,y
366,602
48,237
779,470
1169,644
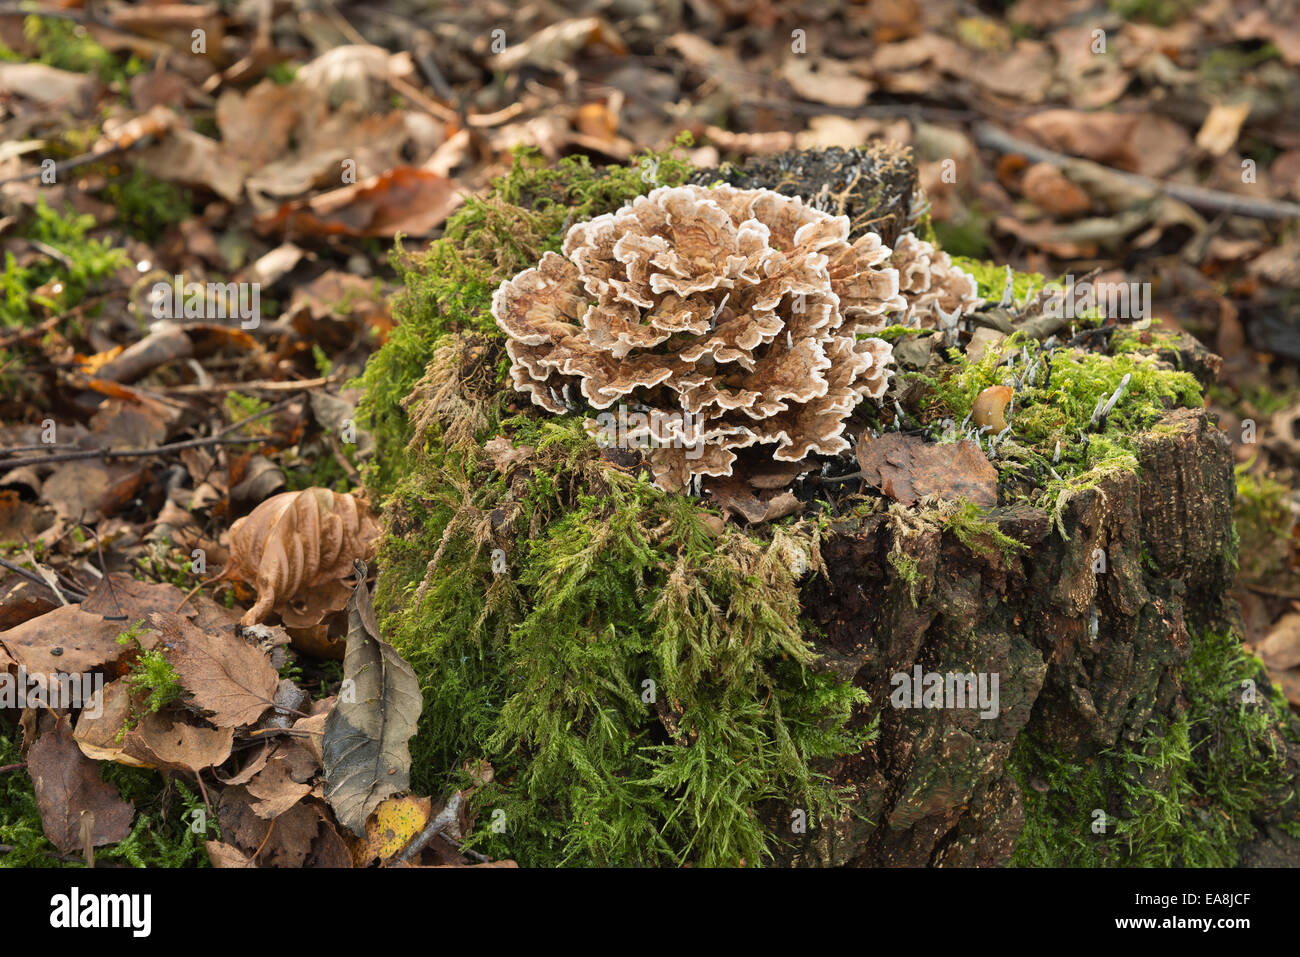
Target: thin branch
x,y
133,453
990,137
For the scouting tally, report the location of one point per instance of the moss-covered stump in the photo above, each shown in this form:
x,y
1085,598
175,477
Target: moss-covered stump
x,y
653,685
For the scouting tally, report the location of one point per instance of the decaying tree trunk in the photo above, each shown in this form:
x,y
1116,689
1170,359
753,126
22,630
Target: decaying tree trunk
x,y
1088,630
1085,657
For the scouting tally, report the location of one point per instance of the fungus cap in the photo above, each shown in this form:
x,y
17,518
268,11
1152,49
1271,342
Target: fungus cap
x,y
741,315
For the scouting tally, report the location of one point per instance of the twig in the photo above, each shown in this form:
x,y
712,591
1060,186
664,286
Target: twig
x,y
50,579
990,137
134,453
37,580
259,385
12,767
441,822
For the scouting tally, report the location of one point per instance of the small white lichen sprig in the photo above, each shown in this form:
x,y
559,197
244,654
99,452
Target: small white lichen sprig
x,y
746,313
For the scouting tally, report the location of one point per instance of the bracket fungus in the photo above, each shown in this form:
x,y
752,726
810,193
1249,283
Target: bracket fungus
x,y
938,291
738,319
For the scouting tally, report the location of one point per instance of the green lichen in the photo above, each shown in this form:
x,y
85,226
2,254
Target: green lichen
x,y
1186,795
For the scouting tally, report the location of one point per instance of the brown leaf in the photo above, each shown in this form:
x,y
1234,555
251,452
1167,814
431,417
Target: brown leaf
x,y
164,740
505,455
74,639
227,677
405,199
299,540
227,856
1047,187
1104,137
67,783
276,790
1218,133
1281,649
738,497
97,733
907,468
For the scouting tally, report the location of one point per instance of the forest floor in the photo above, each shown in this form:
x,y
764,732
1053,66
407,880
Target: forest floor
x,y
285,148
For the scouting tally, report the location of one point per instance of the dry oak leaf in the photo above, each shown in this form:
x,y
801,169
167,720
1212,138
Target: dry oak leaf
x,y
96,734
227,677
907,468
298,540
67,783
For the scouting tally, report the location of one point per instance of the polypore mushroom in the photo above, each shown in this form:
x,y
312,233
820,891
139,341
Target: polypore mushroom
x,y
737,315
931,283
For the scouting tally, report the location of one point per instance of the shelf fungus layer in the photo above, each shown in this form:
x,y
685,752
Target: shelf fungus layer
x,y
732,325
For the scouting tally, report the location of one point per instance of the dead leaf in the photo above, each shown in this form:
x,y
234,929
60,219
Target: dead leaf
x,y
97,730
1219,132
276,790
554,46
825,81
67,783
48,86
404,200
227,677
165,740
299,540
738,497
505,455
365,749
395,822
907,468
1281,649
1049,189
227,856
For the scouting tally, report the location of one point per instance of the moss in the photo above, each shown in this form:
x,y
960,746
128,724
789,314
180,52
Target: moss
x,y
1263,524
147,206
977,533
640,688
448,287
992,278
1186,795
161,836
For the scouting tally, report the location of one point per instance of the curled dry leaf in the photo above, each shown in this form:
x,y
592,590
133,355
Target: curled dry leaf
x,y
298,540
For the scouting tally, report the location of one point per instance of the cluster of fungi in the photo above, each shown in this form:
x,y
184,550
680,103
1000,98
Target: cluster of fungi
x,y
741,319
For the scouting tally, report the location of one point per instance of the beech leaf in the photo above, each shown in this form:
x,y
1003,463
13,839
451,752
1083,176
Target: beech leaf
x,y
365,749
298,540
227,677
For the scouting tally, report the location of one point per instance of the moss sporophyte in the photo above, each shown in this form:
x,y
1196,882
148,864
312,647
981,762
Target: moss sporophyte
x,y
643,676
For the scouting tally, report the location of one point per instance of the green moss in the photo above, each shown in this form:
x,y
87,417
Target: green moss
x,y
992,278
1185,796
69,46
1263,524
162,835
979,534
449,286
148,206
